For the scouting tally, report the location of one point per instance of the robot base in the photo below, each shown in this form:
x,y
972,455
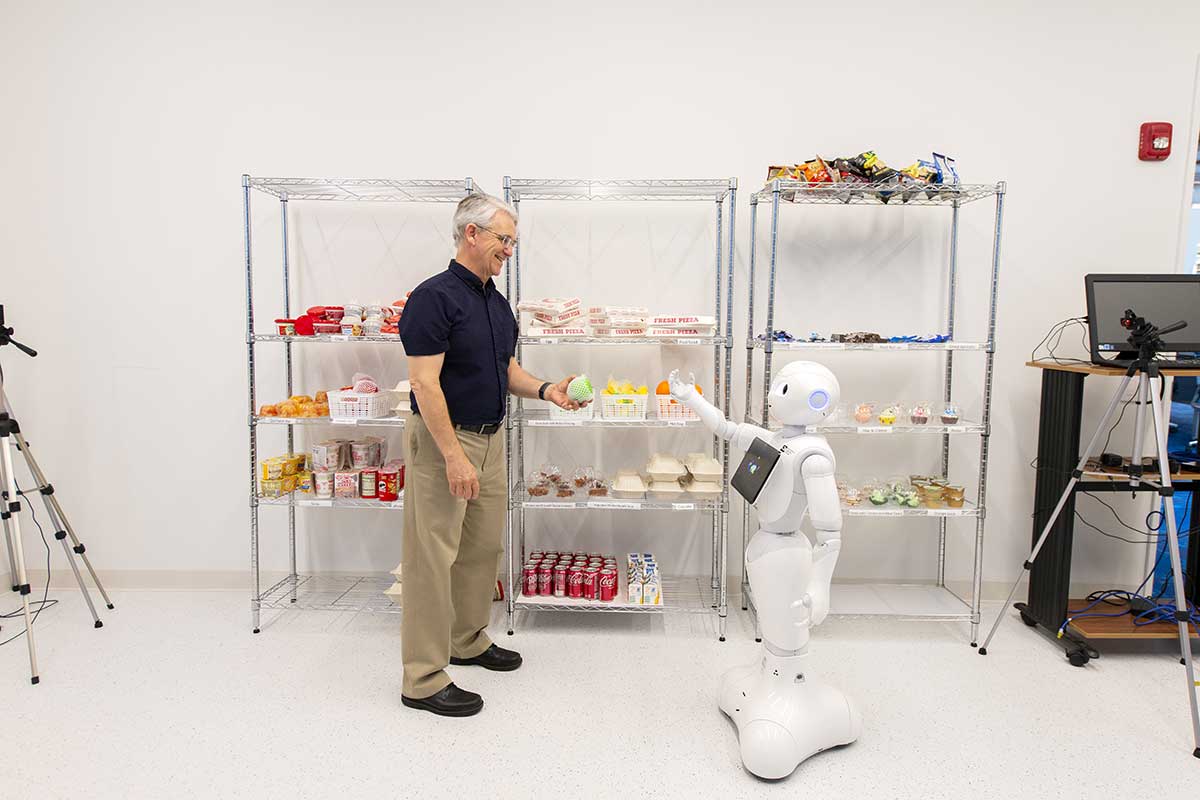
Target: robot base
x,y
783,717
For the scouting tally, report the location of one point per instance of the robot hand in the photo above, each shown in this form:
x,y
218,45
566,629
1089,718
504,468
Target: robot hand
x,y
679,390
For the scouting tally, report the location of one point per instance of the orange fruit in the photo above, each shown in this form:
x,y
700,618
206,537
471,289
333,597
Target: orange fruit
x,y
663,388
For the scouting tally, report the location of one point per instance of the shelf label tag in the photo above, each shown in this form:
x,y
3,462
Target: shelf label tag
x,y
687,341
943,512
892,346
677,423
880,512
965,345
343,420
611,504
548,341
683,506
337,337
874,429
821,345
556,423
317,503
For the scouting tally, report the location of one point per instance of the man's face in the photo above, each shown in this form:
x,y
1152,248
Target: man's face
x,y
489,242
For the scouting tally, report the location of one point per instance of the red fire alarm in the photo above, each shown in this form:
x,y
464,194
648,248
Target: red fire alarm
x,y
1154,144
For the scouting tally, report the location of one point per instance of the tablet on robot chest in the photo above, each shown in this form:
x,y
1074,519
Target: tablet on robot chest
x,y
752,473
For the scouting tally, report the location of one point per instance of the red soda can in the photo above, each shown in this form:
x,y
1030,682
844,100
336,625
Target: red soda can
x,y
536,555
545,578
575,581
529,580
608,584
595,555
591,583
560,581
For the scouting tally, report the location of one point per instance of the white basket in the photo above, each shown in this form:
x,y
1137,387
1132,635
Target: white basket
x,y
352,405
586,413
623,406
670,408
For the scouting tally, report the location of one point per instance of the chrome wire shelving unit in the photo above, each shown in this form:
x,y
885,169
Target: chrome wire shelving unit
x,y
917,602
680,593
295,590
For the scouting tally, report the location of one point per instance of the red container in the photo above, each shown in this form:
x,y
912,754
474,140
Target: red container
x,y
545,578
575,581
316,312
387,483
326,327
560,581
591,583
334,313
529,581
369,486
287,327
608,584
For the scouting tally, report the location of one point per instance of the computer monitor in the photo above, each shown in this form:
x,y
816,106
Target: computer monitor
x,y
1160,299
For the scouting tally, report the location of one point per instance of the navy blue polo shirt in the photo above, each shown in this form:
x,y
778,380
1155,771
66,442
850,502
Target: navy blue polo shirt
x,y
471,322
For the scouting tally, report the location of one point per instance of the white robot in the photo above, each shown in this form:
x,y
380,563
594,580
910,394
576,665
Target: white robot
x,y
783,715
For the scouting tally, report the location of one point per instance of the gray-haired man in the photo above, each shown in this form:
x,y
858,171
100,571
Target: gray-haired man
x,y
460,338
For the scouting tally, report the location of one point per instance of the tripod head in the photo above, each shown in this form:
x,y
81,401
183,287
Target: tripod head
x,y
6,337
1144,336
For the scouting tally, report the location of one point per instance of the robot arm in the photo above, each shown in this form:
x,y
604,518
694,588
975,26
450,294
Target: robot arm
x,y
739,435
824,509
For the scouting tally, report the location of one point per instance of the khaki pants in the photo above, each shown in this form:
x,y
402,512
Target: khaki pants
x,y
451,549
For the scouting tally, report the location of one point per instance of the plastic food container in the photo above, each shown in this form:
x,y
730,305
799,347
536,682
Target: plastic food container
x,y
703,467
287,327
334,313
664,468
373,311
950,414
326,327
351,326
345,483
664,490
353,310
889,414
272,487
372,327
919,413
628,485
706,489
864,412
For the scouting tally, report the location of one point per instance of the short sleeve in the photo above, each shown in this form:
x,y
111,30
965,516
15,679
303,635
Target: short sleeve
x,y
425,324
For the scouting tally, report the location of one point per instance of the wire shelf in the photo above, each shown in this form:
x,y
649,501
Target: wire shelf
x,y
326,338
715,189
623,340
540,418
759,344
931,428
968,509
898,601
366,189
687,595
382,422
796,191
308,501
333,593
685,502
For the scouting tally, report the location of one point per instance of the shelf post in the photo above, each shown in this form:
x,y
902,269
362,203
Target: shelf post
x,y
256,597
287,350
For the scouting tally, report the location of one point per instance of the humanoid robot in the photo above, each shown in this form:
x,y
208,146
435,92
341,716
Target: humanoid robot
x,y
782,714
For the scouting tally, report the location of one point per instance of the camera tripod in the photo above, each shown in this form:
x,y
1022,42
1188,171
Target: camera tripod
x,y
1147,343
10,509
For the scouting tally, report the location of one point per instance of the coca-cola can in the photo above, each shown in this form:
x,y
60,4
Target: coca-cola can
x,y
595,555
575,582
536,555
545,578
560,581
591,583
608,584
529,581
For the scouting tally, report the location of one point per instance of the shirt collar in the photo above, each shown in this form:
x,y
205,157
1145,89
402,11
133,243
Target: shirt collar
x,y
470,278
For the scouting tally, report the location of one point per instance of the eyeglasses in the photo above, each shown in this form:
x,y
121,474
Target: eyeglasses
x,y
507,241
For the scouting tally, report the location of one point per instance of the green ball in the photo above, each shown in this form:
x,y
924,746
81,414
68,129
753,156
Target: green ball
x,y
580,390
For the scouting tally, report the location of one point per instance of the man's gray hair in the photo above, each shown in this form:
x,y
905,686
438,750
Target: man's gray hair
x,y
479,209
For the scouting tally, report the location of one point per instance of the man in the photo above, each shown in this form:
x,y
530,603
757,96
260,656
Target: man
x,y
460,337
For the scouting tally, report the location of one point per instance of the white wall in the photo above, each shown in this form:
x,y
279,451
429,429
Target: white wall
x,y
128,126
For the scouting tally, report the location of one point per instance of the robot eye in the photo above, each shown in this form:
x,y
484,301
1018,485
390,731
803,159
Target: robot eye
x,y
784,389
818,400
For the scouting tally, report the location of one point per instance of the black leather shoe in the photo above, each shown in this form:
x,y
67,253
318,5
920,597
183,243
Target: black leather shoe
x,y
495,658
449,702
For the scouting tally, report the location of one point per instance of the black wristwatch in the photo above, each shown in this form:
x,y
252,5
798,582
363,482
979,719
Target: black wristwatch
x,y
542,390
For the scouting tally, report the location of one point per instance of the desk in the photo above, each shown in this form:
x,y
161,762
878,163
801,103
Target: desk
x,y
1059,426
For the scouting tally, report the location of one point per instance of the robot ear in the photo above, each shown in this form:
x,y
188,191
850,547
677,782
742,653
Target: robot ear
x,y
818,400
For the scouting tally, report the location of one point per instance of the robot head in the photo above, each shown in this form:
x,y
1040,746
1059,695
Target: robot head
x,y
803,393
